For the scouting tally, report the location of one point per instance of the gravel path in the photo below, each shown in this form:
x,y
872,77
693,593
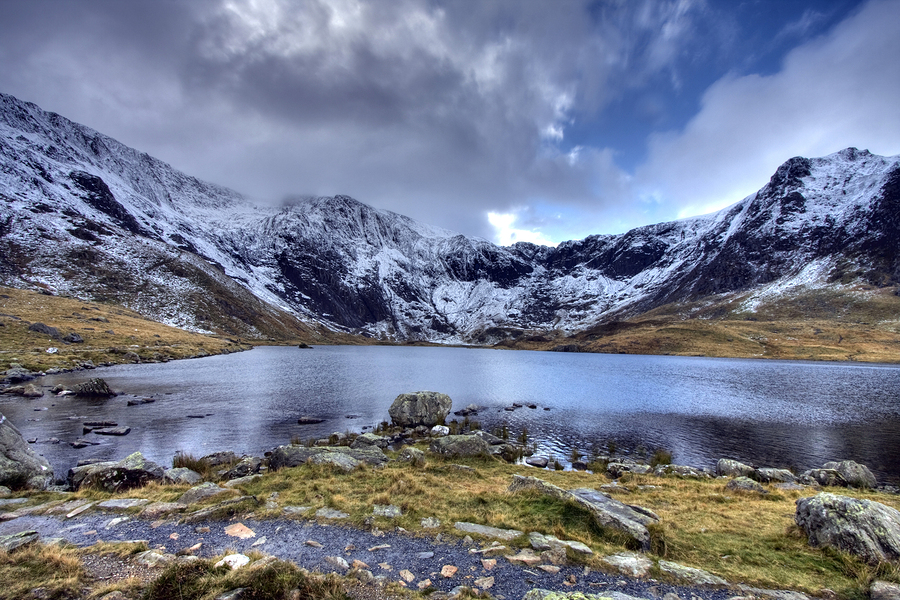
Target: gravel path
x,y
307,543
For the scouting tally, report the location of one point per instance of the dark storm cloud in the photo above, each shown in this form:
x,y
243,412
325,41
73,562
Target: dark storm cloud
x,y
441,110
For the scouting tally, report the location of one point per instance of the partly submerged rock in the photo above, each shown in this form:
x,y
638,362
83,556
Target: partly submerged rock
x,y
867,529
94,387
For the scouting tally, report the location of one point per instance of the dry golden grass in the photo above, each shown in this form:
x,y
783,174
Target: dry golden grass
x,y
743,538
860,323
109,332
55,569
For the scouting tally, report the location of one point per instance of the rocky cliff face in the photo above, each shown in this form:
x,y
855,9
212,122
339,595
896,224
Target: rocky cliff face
x,y
85,215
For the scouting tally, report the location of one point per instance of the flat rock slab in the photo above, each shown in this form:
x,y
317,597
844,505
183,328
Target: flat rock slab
x,y
492,532
690,574
540,594
122,503
8,543
607,512
201,492
330,513
239,530
112,431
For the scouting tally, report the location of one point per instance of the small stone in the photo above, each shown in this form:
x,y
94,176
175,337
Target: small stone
x,y
330,513
379,547
425,555
484,583
552,569
201,530
385,566
449,571
259,542
358,564
430,523
313,543
407,576
389,510
525,557
233,561
488,563
338,562
239,530
425,583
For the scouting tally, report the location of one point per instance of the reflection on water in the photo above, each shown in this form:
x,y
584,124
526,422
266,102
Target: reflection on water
x,y
770,413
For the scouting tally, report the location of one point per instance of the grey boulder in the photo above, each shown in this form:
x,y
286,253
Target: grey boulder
x,y
864,528
732,468
131,472
420,408
460,446
292,456
20,466
854,474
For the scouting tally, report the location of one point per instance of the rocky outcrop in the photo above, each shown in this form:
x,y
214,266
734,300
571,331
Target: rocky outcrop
x,y
606,511
864,528
20,466
131,472
460,446
292,456
420,408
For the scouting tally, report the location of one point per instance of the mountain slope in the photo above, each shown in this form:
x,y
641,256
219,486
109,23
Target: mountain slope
x,y
84,215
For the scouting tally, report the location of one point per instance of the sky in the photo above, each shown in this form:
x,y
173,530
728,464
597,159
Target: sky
x,y
511,120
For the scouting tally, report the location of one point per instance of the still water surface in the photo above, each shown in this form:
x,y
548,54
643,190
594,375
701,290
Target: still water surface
x,y
769,413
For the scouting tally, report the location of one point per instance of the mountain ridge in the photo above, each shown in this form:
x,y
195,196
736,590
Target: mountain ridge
x,y
84,215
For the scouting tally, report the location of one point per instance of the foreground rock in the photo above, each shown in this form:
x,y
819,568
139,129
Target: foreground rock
x,y
20,466
607,512
131,472
420,408
866,529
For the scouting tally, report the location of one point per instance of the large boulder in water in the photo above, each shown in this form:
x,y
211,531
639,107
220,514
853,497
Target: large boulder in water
x,y
131,472
20,466
864,528
420,408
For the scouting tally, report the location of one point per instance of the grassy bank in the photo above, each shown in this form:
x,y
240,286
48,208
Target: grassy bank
x,y
743,537
858,323
111,334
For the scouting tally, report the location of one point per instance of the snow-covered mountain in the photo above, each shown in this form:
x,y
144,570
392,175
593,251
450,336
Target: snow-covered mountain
x,y
84,215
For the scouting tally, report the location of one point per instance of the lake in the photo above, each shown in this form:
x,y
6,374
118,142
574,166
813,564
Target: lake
x,y
763,412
